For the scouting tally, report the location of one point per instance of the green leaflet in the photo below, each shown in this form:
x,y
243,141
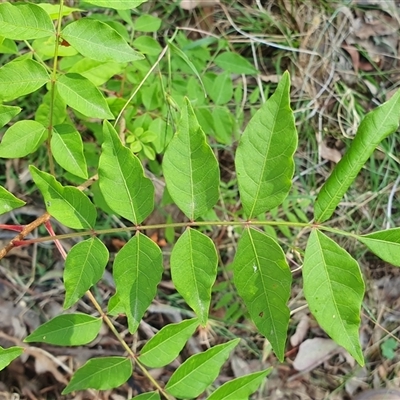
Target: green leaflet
x,y
376,126
117,4
8,201
167,343
385,244
24,21
8,355
97,72
199,371
65,203
264,158
80,94
121,179
137,271
190,167
67,148
20,77
22,138
240,388
98,41
234,63
263,280
101,373
334,289
194,263
84,267
67,330
7,113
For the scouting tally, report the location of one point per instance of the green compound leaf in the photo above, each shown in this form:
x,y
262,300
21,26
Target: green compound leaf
x,y
24,22
84,267
7,113
263,279
334,289
240,388
67,148
190,167
8,355
53,10
264,158
98,41
65,203
137,271
234,63
376,126
67,330
385,244
8,201
121,179
21,77
22,138
117,4
194,263
147,396
80,94
199,371
101,373
167,343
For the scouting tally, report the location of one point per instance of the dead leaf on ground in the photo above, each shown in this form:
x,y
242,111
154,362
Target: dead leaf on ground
x,y
313,352
328,153
301,330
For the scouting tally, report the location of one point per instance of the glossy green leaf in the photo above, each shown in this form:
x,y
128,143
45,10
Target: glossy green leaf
x,y
221,89
137,271
80,94
121,179
22,138
8,201
264,158
117,4
8,355
147,396
97,72
234,63
7,113
376,126
67,330
67,149
21,77
98,41
385,244
190,167
67,204
240,388
334,289
147,23
84,267
8,46
24,21
199,371
194,263
263,279
167,343
101,373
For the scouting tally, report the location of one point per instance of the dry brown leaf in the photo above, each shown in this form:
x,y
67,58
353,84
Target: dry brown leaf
x,y
379,394
192,4
327,153
313,352
301,330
